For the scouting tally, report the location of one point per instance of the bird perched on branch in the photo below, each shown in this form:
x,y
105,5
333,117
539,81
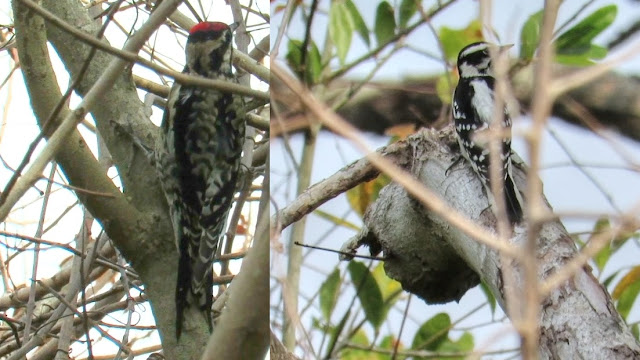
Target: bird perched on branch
x,y
473,112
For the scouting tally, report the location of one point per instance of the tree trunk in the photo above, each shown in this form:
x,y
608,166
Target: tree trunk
x,y
439,263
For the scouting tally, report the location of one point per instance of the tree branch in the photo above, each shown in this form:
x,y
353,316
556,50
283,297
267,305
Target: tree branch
x,y
577,318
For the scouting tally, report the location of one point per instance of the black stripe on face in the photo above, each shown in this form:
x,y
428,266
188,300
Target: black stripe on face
x,y
475,60
202,36
474,54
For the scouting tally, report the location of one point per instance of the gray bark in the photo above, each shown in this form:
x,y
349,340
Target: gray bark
x,y
439,263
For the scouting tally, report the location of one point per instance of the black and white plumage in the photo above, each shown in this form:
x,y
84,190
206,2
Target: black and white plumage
x,y
473,112
198,160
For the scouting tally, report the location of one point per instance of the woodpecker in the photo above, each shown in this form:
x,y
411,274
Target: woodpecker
x,y
473,109
198,159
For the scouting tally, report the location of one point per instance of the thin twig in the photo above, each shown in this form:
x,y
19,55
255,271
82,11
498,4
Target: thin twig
x,y
128,55
345,253
528,323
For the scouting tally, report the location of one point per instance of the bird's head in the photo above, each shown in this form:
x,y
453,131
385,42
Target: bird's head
x,y
209,48
475,59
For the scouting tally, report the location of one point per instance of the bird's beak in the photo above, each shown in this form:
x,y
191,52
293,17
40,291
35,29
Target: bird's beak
x,y
498,50
504,48
234,26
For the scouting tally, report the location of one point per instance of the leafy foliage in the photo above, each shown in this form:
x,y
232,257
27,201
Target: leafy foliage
x,y
336,220
363,195
433,335
408,8
490,297
530,36
360,338
312,68
626,292
445,85
385,25
389,288
341,28
368,293
329,291
358,22
602,257
453,40
575,46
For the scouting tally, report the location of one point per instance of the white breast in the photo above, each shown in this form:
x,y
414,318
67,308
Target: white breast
x,y
482,100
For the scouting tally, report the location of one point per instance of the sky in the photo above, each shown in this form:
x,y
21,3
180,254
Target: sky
x,y
566,188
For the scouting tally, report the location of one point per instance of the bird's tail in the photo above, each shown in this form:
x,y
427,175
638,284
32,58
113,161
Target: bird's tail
x,y
183,288
200,294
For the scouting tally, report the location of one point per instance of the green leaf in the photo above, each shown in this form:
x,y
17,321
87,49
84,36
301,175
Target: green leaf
x,y
595,52
322,325
603,256
606,282
294,55
389,342
329,294
317,324
462,345
635,330
358,22
627,298
340,28
313,67
360,338
336,220
432,333
453,40
490,298
577,40
385,26
444,87
408,8
465,343
388,287
631,277
368,293
530,36
314,64
361,196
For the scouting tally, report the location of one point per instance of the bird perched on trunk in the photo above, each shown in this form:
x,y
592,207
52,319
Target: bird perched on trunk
x,y
198,159
473,112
